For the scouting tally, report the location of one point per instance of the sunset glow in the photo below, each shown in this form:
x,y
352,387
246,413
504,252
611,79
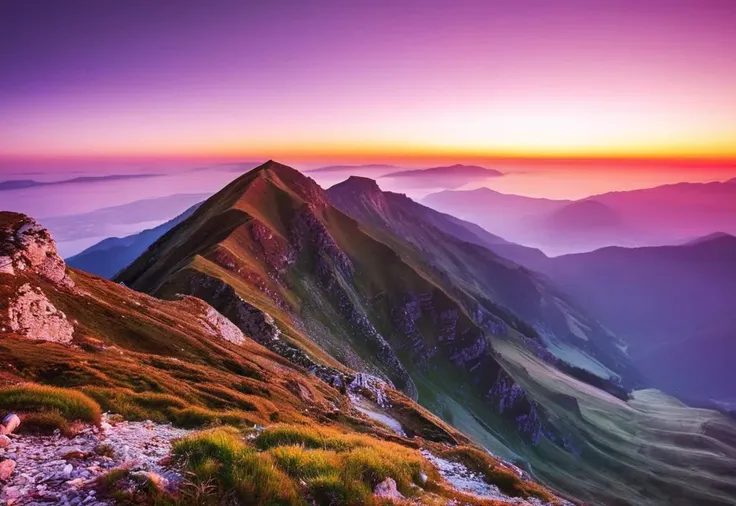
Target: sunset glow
x,y
480,79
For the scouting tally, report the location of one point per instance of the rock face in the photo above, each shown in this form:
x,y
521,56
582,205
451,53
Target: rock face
x,y
32,315
27,246
510,399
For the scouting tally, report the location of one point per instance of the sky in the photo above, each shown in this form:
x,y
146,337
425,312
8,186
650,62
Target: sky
x,y
396,81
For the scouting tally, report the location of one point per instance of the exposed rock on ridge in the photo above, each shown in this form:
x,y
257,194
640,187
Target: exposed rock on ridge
x,y
32,315
27,246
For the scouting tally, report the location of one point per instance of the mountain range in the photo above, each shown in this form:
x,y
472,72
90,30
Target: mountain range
x,y
20,184
321,285
674,304
662,215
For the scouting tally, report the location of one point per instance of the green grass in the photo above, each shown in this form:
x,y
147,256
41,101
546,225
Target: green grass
x,y
290,463
220,456
47,408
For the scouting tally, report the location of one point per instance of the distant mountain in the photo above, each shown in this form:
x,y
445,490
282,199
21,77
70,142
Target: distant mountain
x,y
404,217
668,214
370,168
583,225
111,255
452,176
458,170
18,184
674,304
708,238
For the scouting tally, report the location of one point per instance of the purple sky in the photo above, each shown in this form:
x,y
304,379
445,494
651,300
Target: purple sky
x,y
312,79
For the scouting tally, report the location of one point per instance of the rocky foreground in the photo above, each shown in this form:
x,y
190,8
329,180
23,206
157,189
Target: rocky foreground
x,y
67,471
44,470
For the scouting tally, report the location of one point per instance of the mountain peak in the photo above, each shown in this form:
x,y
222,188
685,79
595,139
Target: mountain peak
x,y
712,238
279,175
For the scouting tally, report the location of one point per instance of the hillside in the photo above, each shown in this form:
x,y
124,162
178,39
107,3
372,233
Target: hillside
x,y
271,238
674,304
76,345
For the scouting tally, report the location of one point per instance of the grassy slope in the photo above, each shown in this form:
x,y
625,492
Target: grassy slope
x,y
146,358
651,450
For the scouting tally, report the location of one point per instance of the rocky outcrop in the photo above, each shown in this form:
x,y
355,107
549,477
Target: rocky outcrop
x,y
370,387
510,399
274,250
215,323
310,236
254,323
31,314
25,246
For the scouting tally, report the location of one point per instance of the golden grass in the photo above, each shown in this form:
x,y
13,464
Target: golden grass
x,y
46,408
221,457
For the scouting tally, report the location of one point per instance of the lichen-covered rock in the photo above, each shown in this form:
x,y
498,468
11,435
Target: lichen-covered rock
x,y
27,246
32,315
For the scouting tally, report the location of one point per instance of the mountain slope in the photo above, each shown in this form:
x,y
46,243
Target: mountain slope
x,y
272,238
674,304
111,255
362,199
483,276
182,362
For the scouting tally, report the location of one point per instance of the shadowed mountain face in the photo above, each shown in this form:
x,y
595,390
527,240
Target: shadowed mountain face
x,y
655,216
674,304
